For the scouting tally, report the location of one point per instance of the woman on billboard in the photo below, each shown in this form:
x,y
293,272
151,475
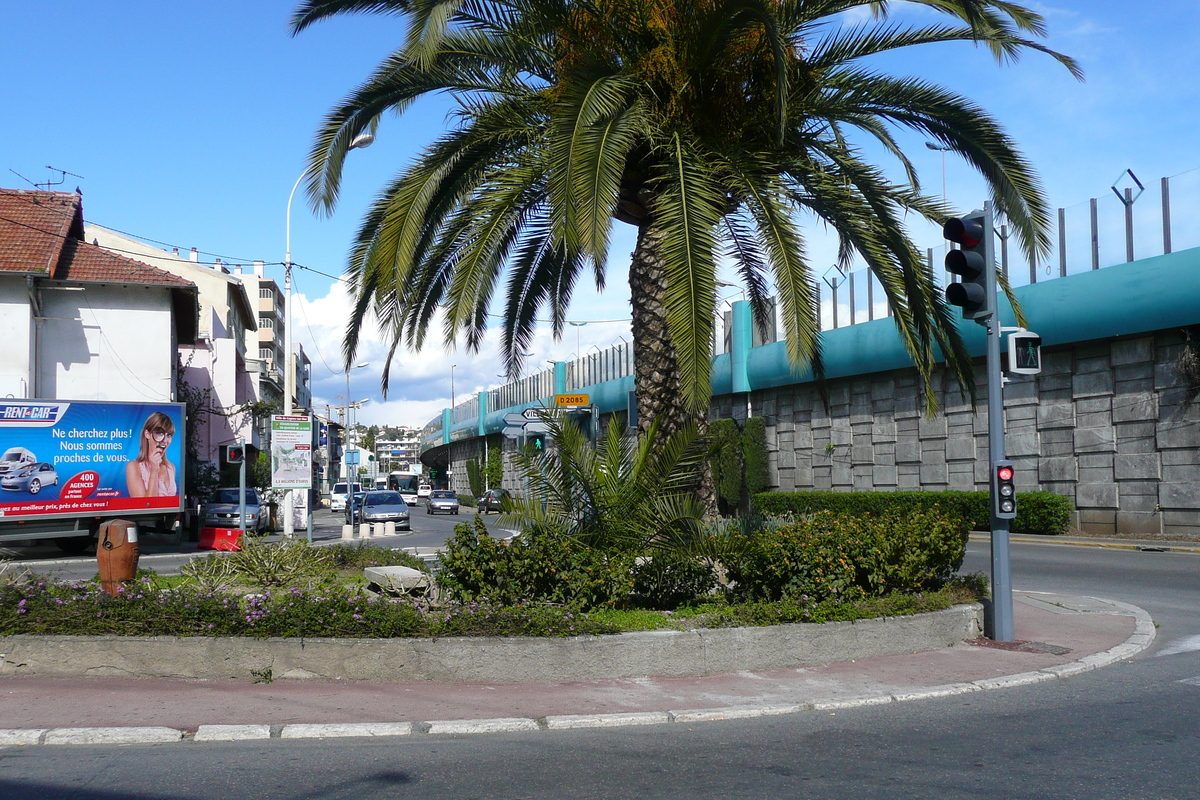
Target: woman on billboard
x,y
151,474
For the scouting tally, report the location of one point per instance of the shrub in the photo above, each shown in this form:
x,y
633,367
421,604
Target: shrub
x,y
475,476
754,452
667,580
727,463
1037,512
540,565
823,555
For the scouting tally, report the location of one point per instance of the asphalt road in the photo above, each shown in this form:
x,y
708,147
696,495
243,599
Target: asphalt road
x,y
1130,730
165,557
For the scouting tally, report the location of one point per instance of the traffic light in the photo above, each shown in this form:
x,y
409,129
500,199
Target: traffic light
x,y
233,453
1024,353
537,441
975,294
1004,490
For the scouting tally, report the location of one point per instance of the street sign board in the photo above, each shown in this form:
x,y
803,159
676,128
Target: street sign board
x,y
536,427
533,413
514,432
515,419
572,400
291,451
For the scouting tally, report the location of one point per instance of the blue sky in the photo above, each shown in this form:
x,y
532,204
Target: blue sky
x,y
189,123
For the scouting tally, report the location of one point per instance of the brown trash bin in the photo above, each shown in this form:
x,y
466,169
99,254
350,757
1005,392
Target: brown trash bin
x,y
116,554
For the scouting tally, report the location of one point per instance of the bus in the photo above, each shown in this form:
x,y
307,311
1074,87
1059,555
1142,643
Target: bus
x,y
406,484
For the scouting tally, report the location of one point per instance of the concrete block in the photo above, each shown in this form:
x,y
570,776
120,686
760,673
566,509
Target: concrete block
x,y
883,389
862,455
1135,406
1022,444
1098,522
1095,461
231,733
1055,415
1098,363
885,476
397,580
1178,434
1134,373
883,432
1060,468
1092,383
1056,362
840,433
1132,351
961,448
1179,495
908,452
933,475
1139,522
1095,440
1166,376
935,428
1097,496
1140,465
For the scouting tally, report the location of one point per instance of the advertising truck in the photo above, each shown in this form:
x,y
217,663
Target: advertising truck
x,y
66,466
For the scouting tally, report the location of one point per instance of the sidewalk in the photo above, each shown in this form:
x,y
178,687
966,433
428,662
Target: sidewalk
x,y
1058,636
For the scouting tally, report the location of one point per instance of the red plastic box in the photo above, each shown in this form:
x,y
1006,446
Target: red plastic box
x,y
220,539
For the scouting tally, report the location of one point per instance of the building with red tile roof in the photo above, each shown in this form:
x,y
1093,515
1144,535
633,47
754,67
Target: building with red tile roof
x,y
80,322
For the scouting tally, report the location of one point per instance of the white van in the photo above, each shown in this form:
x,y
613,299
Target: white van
x,y
337,498
15,459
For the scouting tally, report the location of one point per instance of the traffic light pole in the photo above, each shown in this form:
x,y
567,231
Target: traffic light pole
x,y
1001,617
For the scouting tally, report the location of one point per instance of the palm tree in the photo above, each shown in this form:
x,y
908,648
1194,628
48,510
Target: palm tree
x,y
622,495
710,125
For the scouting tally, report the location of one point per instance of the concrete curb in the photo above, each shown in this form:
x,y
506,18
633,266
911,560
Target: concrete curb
x,y
1141,638
695,652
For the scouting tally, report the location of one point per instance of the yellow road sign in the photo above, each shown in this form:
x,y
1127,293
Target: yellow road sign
x,y
571,400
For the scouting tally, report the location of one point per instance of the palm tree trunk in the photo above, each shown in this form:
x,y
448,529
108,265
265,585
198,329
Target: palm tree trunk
x,y
656,369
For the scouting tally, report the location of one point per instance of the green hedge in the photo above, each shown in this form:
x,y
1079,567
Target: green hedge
x,y
1037,512
535,566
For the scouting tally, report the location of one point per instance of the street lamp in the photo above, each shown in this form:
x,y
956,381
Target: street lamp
x,y
943,149
289,375
576,326
350,405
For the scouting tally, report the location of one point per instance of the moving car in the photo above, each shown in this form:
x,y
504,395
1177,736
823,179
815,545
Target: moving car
x,y
221,511
30,478
441,500
493,500
409,496
423,491
385,506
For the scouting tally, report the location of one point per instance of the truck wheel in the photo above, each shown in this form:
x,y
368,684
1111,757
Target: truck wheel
x,y
74,544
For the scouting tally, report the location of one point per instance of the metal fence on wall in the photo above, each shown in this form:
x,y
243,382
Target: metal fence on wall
x,y
1133,221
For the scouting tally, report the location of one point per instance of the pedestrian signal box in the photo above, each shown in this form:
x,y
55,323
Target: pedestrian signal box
x,y
1024,353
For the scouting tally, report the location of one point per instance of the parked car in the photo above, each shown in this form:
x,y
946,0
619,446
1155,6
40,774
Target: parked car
x,y
493,500
423,491
337,497
221,511
30,478
354,502
385,506
441,500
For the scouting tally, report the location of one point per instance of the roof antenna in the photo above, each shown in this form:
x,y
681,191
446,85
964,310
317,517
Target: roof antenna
x,y
62,178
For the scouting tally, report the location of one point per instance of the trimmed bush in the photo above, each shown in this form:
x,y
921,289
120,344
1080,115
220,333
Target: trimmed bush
x,y
727,463
755,456
537,566
825,555
1037,512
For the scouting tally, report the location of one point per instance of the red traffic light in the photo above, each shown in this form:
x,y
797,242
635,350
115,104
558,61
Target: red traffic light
x,y
1005,473
967,231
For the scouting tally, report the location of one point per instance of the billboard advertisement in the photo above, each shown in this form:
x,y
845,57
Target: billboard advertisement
x,y
291,451
66,458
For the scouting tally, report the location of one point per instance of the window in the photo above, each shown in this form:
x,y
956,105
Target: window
x,y
266,353
266,322
266,293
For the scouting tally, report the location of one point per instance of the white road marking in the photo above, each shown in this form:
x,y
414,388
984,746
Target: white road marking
x,y
1188,644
